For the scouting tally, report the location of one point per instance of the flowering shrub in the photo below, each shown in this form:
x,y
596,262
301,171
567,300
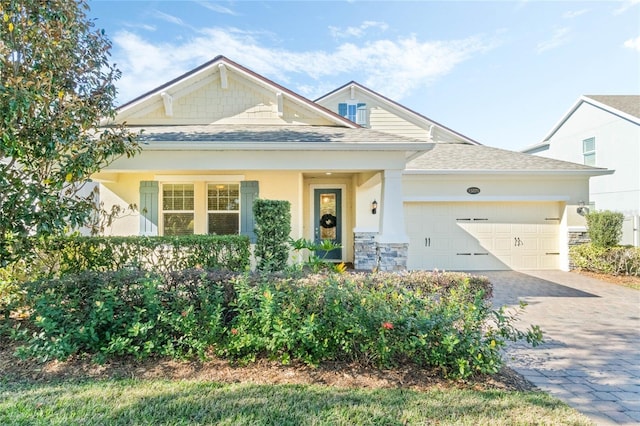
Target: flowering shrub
x,y
381,320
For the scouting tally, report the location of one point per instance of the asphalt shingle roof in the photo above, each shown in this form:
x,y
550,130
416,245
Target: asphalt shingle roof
x,y
629,104
266,134
484,158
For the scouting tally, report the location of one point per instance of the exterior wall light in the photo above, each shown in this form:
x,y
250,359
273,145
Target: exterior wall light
x,y
374,207
582,210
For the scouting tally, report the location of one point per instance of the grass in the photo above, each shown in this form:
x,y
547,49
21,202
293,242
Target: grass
x,y
164,402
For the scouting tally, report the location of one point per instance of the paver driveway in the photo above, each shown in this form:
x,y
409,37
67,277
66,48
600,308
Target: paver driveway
x,y
591,355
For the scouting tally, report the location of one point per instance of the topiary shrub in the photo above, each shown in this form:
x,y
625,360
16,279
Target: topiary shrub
x,y
273,226
605,228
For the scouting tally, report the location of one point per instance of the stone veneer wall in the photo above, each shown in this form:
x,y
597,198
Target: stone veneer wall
x,y
393,257
576,238
369,255
365,253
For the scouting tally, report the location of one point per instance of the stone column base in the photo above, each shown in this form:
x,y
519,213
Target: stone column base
x,y
365,254
392,256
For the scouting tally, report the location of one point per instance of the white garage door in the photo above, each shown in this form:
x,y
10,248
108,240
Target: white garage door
x,y
483,235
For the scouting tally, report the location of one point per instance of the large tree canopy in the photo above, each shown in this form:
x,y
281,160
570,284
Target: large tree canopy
x,y
56,85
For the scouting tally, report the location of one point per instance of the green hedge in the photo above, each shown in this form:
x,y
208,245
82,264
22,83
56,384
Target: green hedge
x,y
273,227
605,228
607,260
371,319
161,254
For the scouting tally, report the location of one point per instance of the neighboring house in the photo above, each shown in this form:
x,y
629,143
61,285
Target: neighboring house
x,y
603,131
221,135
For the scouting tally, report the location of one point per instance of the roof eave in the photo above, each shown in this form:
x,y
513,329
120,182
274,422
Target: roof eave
x,y
595,172
595,103
283,146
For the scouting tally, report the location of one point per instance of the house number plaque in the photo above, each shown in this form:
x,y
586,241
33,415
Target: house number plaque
x,y
473,190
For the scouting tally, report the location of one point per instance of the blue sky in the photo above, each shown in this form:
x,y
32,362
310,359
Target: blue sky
x,y
502,72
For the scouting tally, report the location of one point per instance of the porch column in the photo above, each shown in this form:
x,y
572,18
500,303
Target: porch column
x,y
393,242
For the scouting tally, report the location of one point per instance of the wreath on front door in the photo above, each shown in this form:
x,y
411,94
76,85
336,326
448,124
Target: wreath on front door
x,y
328,221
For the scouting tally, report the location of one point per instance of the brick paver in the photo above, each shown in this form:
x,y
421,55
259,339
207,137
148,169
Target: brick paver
x,y
591,355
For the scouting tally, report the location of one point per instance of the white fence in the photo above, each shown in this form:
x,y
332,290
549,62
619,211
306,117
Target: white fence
x,y
631,231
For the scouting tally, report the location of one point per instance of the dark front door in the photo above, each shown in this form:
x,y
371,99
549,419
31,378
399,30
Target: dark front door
x,y
328,220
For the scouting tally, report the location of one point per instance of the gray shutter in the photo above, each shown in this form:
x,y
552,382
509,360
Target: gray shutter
x,y
149,207
248,193
342,110
361,114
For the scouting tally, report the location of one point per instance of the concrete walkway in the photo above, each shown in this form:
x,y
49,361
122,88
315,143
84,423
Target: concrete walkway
x,y
591,358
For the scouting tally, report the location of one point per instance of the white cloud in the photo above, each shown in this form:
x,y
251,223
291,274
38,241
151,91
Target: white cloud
x,y
570,14
215,7
626,5
560,37
145,27
392,67
168,18
358,31
633,43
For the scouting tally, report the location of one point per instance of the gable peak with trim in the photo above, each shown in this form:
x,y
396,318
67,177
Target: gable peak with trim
x,y
626,107
370,109
222,91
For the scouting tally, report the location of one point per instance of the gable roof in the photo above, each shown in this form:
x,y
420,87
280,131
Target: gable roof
x,y
398,108
627,107
480,159
222,61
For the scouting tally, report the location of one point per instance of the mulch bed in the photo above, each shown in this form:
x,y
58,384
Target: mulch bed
x,y
261,372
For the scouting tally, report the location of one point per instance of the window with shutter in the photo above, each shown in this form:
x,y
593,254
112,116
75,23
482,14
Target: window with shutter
x,y
356,112
178,208
223,208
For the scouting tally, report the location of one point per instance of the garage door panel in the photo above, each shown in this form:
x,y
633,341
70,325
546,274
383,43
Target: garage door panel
x,y
485,235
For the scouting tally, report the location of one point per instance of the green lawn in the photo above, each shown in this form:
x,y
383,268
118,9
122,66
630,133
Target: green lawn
x,y
163,402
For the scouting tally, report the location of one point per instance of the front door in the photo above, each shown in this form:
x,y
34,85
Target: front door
x,y
328,220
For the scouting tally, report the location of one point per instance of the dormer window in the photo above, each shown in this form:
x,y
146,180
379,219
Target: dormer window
x,y
356,112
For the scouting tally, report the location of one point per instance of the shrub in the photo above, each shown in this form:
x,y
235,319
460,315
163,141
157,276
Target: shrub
x,y
73,254
607,260
125,312
273,226
605,228
372,319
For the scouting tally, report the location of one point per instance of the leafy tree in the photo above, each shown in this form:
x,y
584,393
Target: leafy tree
x,y
56,85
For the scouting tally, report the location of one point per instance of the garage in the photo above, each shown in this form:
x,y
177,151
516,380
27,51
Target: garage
x,y
483,235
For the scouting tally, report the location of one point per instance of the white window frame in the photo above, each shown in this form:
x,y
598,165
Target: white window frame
x,y
358,115
591,153
209,211
163,211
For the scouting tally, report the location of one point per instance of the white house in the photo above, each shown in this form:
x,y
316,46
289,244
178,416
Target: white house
x,y
410,193
603,131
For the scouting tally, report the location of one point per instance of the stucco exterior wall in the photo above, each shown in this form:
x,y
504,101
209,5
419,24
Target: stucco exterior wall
x,y
495,188
124,190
